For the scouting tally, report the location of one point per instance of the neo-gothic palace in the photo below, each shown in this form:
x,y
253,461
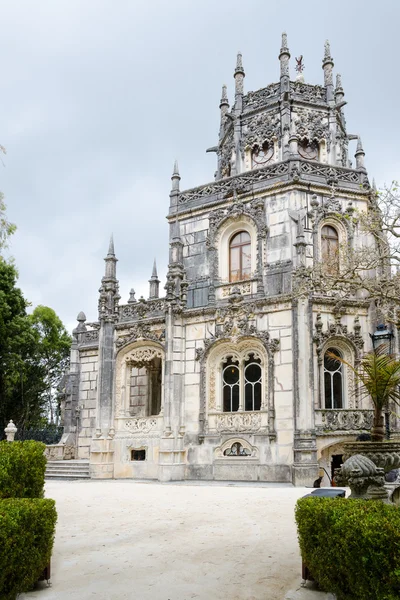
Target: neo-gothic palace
x,y
227,377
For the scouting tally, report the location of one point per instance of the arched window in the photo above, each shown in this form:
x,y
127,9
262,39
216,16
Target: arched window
x,y
240,256
242,384
231,386
333,379
308,150
260,156
330,247
237,450
252,384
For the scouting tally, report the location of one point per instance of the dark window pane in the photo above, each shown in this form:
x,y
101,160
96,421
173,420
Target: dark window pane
x,y
328,391
227,398
231,374
257,396
235,398
253,372
248,397
337,390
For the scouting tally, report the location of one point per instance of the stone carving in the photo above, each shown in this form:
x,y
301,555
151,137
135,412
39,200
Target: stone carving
x,y
330,421
254,210
308,93
364,478
246,450
142,309
254,100
244,181
225,153
244,288
141,425
264,127
249,422
140,331
312,125
328,172
385,455
141,357
337,329
90,336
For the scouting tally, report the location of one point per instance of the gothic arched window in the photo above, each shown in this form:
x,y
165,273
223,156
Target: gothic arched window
x,y
308,150
333,379
240,257
330,247
242,384
231,386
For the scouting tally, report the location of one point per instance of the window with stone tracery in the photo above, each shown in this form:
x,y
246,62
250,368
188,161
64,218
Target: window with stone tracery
x,y
308,150
333,379
240,256
330,248
241,384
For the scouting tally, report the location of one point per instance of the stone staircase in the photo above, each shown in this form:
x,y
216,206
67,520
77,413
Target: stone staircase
x,y
67,469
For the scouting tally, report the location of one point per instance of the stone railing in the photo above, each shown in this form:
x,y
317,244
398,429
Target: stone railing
x,y
280,171
238,422
342,421
142,309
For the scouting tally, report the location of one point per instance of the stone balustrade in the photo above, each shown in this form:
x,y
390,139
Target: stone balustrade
x,y
342,421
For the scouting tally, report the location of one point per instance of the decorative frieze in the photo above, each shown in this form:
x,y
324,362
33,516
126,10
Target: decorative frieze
x,y
140,331
141,425
255,100
328,421
249,422
142,309
315,94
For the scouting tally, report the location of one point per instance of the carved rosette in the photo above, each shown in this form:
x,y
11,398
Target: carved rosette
x,y
141,425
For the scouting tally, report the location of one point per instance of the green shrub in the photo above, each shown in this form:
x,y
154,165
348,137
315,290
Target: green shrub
x,y
22,469
352,547
26,541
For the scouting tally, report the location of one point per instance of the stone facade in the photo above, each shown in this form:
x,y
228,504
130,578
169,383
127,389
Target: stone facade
x,y
226,376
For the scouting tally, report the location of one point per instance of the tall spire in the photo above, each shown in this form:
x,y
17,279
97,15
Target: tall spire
x,y
111,246
154,283
284,57
327,65
339,93
239,76
109,297
224,103
175,185
360,155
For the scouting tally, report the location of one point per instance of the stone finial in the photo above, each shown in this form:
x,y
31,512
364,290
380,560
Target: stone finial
x,y
339,93
284,46
239,64
111,247
359,155
132,298
224,98
154,283
327,52
81,318
175,178
10,431
239,76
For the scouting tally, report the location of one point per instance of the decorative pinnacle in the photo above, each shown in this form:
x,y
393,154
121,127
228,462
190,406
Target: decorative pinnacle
x,y
176,170
373,185
327,54
359,149
339,86
284,47
239,65
154,273
224,97
111,247
132,298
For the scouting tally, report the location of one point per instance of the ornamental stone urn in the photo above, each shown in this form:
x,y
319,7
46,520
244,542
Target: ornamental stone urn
x,y
385,455
363,477
10,431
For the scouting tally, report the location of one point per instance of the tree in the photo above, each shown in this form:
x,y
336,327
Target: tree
x,y
21,376
53,349
370,270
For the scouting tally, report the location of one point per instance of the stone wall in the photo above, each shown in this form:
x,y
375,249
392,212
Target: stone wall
x,y
87,400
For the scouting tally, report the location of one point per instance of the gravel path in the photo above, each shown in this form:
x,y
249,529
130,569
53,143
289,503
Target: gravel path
x,y
149,541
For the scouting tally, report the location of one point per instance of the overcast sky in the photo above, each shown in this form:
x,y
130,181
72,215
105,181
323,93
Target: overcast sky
x,y
98,98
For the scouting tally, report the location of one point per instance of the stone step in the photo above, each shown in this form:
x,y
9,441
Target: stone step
x,y
67,469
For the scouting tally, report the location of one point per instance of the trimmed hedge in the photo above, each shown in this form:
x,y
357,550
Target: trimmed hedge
x,y
26,540
352,547
22,469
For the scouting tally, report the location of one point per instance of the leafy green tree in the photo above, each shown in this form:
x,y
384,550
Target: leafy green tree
x,y
52,350
21,374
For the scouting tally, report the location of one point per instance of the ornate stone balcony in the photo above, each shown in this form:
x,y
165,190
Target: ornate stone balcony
x,y
342,421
